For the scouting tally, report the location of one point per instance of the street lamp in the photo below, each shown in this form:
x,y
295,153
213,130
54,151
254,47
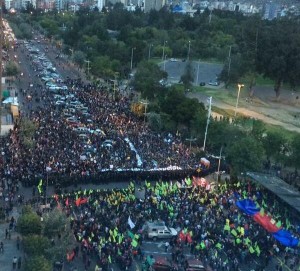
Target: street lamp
x,y
131,61
219,164
237,99
88,64
163,55
72,51
145,103
191,140
189,50
198,72
149,53
165,63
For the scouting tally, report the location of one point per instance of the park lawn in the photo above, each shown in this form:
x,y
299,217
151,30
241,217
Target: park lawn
x,y
225,95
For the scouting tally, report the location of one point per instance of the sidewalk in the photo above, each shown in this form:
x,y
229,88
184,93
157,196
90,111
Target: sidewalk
x,y
10,246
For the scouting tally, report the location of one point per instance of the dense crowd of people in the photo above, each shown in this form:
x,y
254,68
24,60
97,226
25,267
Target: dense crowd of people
x,y
100,222
82,130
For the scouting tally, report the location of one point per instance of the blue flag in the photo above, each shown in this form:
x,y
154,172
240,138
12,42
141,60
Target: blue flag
x,y
247,206
286,239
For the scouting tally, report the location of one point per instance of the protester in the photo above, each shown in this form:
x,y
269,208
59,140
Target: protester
x,y
108,224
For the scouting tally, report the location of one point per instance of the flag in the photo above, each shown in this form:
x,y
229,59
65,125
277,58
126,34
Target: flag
x,y
130,223
188,181
70,256
130,234
247,206
234,233
134,243
266,222
77,202
286,238
40,186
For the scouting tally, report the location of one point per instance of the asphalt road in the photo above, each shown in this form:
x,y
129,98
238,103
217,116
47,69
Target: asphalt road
x,y
203,71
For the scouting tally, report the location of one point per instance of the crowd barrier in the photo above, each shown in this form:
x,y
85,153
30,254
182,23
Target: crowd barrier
x,y
107,176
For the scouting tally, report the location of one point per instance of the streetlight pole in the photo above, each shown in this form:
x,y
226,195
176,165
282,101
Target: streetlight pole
x,y
189,50
207,122
237,99
88,68
145,103
198,72
149,53
72,51
191,140
165,63
163,55
219,164
131,61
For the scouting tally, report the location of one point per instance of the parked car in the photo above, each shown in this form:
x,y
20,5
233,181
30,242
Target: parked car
x,y
164,264
195,265
202,84
214,83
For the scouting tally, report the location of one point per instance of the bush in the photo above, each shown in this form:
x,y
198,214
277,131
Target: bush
x,y
37,263
29,223
35,244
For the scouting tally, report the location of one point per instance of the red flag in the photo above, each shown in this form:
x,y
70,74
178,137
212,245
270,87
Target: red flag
x,y
67,202
266,222
77,202
182,236
70,256
189,238
84,200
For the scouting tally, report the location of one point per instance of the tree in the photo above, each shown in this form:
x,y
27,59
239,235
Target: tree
x,y
29,223
57,227
245,155
188,77
37,263
295,159
273,144
281,62
79,58
146,80
11,69
154,121
35,244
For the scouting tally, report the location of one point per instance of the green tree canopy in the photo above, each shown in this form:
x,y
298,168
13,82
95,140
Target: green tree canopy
x,y
29,223
146,80
56,226
35,244
37,263
273,144
245,154
11,69
295,159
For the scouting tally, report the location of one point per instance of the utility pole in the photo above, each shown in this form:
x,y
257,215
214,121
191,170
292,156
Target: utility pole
x,y
219,164
163,55
191,140
149,52
229,61
210,16
207,122
88,68
189,50
198,72
1,47
131,60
